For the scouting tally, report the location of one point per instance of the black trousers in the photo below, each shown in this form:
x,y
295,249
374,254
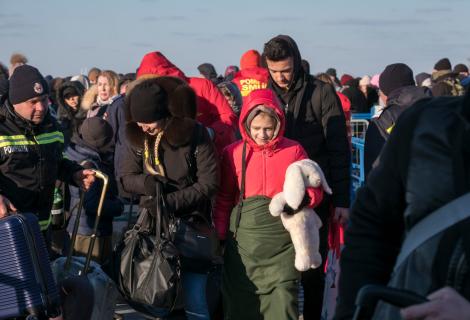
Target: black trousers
x,y
313,280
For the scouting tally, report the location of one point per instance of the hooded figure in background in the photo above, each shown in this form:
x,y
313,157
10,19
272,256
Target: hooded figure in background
x,y
251,75
93,147
69,114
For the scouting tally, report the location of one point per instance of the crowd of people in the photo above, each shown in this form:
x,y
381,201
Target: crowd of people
x,y
219,146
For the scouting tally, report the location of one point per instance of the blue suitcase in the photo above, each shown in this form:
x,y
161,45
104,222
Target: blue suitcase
x,y
27,286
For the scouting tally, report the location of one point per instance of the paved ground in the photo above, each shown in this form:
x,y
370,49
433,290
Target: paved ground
x,y
130,314
125,310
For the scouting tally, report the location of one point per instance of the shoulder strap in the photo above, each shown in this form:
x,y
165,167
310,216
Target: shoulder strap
x,y
436,222
193,152
384,124
242,191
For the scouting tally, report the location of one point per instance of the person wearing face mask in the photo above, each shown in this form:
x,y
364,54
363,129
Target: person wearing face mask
x,y
69,113
160,129
259,277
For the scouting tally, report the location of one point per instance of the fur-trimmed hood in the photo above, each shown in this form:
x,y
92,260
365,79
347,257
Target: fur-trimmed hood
x,y
89,98
182,107
442,74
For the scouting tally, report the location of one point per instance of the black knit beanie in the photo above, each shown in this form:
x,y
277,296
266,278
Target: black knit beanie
x,y
443,64
97,133
460,68
26,82
148,102
395,76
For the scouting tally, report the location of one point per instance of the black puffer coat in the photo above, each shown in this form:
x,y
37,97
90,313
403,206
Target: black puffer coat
x,y
424,165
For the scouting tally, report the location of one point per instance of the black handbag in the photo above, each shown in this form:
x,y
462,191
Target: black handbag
x,y
149,264
196,240
194,235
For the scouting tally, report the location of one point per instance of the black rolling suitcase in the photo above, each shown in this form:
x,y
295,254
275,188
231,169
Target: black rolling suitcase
x,y
27,286
104,290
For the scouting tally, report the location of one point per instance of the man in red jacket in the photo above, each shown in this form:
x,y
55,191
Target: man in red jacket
x,y
213,111
251,76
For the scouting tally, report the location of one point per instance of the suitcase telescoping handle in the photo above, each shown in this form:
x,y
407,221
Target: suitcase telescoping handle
x,y
104,177
74,231
371,294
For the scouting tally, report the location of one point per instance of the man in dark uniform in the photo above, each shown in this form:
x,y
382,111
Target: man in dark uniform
x,y
31,149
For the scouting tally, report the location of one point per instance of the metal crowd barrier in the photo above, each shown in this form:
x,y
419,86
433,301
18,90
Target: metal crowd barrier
x,y
358,128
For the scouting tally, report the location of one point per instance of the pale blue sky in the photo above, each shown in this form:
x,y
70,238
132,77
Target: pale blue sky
x,y
358,37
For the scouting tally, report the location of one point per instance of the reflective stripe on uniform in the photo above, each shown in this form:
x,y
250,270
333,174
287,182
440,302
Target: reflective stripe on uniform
x,y
51,137
389,129
22,140
18,140
44,224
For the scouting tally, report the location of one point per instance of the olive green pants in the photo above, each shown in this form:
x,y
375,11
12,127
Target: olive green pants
x,y
259,278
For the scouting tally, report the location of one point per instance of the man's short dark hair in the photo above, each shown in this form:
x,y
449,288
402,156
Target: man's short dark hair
x,y
277,49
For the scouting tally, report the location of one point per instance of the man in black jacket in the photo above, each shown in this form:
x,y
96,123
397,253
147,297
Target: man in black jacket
x,y
31,149
398,92
424,165
314,118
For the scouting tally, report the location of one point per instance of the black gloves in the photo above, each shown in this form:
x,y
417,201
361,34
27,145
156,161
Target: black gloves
x,y
305,201
150,184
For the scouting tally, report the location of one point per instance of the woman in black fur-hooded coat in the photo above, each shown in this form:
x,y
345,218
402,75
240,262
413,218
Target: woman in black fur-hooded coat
x,y
166,145
169,104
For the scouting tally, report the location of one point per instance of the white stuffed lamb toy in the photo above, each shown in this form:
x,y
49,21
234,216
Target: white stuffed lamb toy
x,y
303,226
